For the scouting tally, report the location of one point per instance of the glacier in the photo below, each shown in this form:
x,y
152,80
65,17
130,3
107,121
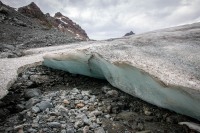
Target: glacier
x,y
160,67
129,79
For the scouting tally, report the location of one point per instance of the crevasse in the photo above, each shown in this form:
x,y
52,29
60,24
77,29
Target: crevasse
x,y
129,79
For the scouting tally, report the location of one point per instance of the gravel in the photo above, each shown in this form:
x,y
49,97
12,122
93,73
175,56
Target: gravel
x,y
56,110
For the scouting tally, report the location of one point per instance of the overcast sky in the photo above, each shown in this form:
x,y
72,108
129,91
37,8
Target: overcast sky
x,y
103,19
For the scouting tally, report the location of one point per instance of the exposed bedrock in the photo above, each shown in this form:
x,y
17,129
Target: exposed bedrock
x,y
129,79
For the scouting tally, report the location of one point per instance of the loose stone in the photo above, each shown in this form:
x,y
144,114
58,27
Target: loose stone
x,y
29,93
79,105
70,130
112,93
92,99
44,105
75,91
99,130
63,131
95,113
32,130
105,89
66,102
146,112
35,109
86,129
78,124
31,102
85,93
54,124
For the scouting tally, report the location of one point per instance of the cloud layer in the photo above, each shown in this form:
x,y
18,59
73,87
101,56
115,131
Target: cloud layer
x,y
103,19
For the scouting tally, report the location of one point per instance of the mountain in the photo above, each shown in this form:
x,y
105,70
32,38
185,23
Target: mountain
x,y
59,21
65,24
28,27
129,33
33,11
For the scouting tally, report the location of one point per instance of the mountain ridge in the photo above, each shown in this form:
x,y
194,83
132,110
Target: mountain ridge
x,y
59,21
28,27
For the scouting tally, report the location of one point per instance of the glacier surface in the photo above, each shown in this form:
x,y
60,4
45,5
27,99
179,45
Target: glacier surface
x,y
160,67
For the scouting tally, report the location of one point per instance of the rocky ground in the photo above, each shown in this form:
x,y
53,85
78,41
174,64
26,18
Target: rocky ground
x,y
16,39
43,100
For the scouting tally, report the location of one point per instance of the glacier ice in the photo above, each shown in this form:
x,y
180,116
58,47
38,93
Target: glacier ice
x,y
129,79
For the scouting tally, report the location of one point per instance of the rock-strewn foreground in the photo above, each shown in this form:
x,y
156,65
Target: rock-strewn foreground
x,y
160,67
53,101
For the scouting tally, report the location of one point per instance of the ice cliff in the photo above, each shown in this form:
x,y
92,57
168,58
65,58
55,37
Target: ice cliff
x,y
161,67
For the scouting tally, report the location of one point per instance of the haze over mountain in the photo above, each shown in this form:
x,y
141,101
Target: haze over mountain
x,y
103,19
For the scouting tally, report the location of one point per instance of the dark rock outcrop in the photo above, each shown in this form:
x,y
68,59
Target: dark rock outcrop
x,y
129,33
33,11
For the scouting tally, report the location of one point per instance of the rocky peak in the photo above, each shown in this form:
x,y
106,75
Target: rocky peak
x,y
33,6
129,33
31,10
58,14
3,9
67,25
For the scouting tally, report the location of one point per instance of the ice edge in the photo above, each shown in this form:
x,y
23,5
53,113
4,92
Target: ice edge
x,y
129,79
